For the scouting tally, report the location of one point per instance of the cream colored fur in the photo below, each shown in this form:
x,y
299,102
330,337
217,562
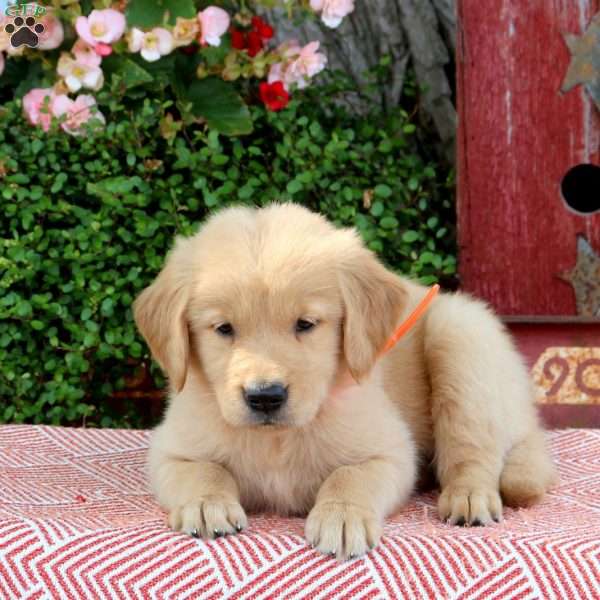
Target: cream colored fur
x,y
355,428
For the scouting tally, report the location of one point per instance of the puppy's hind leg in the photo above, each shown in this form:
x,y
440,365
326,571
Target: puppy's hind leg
x,y
528,471
468,466
480,405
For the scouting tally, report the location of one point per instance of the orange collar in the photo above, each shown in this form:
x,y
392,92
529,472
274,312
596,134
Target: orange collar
x,y
410,321
346,380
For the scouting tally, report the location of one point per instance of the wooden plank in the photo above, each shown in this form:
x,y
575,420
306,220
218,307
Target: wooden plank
x,y
533,338
559,319
518,136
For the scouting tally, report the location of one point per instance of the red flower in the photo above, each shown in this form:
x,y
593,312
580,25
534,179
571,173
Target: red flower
x,y
252,41
264,30
274,95
238,39
255,43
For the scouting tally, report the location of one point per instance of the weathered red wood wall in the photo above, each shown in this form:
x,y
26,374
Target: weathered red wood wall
x,y
518,136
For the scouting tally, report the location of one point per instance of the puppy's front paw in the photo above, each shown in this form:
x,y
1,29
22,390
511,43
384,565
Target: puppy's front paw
x,y
342,530
209,517
469,505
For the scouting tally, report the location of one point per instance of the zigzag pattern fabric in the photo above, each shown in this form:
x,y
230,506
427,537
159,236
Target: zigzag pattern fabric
x,y
77,521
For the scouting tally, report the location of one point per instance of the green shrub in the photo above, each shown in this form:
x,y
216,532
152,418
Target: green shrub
x,y
86,222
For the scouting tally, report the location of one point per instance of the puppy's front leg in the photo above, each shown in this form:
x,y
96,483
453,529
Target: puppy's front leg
x,y
201,496
347,518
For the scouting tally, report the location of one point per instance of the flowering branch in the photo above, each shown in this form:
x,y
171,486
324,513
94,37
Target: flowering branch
x,y
242,41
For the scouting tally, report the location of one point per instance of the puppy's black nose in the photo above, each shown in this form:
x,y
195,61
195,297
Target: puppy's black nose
x,y
265,398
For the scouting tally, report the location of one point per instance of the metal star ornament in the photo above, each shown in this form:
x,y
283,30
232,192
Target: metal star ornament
x,y
585,279
585,60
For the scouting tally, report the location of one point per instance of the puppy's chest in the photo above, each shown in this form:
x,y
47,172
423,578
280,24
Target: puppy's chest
x,y
281,475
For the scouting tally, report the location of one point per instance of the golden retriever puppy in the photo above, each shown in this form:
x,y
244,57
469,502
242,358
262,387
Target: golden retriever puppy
x,y
269,323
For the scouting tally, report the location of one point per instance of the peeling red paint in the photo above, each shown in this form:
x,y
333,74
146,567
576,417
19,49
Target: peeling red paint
x,y
518,136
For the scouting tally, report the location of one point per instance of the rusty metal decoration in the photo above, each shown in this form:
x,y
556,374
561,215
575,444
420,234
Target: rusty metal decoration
x,y
585,279
585,61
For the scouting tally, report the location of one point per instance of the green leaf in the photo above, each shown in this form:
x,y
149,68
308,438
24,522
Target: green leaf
x,y
428,279
180,8
144,13
382,190
149,13
133,74
107,307
36,146
410,236
389,223
217,102
377,209
214,55
130,73
385,146
294,186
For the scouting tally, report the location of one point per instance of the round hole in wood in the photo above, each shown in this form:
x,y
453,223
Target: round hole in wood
x,y
580,188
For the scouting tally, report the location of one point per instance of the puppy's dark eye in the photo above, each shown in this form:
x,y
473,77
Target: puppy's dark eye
x,y
225,329
304,325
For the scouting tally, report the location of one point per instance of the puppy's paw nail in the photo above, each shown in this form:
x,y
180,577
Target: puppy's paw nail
x,y
238,527
466,505
195,533
343,530
217,533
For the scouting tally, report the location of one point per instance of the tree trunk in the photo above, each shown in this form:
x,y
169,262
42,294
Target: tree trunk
x,y
419,32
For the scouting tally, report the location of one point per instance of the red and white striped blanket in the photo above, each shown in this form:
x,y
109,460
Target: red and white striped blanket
x,y
77,521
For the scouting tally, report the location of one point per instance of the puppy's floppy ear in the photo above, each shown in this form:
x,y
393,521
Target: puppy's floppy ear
x,y
374,299
160,314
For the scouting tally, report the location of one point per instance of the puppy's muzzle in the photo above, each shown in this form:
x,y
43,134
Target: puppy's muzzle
x,y
266,398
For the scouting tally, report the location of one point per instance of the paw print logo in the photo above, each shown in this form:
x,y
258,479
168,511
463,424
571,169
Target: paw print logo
x,y
24,32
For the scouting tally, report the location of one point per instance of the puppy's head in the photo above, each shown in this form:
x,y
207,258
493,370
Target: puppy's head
x,y
267,307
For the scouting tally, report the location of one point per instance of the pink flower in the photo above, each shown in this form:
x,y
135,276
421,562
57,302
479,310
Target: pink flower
x,y
306,65
101,27
53,34
332,11
77,112
37,106
152,44
214,22
275,73
301,65
289,49
85,54
78,75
